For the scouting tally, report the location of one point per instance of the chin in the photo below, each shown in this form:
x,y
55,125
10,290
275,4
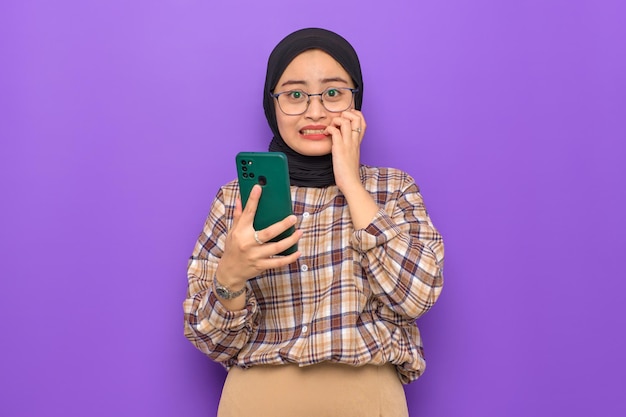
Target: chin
x,y
314,150
311,148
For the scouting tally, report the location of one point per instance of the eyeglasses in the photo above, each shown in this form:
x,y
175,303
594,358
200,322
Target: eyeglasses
x,y
296,102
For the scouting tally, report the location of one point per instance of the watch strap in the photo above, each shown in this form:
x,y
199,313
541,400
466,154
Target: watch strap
x,y
225,292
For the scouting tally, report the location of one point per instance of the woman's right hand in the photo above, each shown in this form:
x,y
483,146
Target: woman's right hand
x,y
244,257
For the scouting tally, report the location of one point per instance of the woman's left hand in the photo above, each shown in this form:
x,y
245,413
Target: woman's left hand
x,y
347,132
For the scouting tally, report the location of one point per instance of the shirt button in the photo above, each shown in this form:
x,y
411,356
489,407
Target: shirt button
x,y
304,268
305,328
305,214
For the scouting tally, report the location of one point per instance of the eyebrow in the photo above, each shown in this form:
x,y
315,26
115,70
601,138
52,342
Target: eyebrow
x,y
323,81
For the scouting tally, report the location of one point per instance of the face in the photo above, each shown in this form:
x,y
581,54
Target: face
x,y
312,71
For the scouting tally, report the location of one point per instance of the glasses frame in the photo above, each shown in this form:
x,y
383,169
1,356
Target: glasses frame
x,y
308,99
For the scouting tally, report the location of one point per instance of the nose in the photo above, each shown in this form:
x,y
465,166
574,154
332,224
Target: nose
x,y
316,109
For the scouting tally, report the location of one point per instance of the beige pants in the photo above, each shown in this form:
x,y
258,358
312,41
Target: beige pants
x,y
324,390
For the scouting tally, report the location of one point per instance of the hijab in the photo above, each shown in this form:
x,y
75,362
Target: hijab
x,y
308,171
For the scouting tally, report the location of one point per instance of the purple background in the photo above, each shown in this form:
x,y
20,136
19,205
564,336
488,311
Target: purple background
x,y
119,120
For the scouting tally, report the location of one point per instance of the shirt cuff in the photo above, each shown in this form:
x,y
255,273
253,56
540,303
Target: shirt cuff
x,y
219,317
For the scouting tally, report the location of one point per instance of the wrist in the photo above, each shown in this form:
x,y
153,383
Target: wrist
x,y
228,290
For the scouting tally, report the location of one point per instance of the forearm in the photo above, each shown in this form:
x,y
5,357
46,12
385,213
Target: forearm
x,y
214,330
362,206
407,275
402,255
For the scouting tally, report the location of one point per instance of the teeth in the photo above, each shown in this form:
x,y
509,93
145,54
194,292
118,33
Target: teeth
x,y
313,132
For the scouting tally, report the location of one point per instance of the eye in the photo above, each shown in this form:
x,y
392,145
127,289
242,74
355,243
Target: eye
x,y
334,94
295,95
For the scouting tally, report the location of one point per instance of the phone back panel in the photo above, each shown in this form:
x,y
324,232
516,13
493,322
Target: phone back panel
x,y
270,170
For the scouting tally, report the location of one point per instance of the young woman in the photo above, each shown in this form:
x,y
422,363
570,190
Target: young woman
x,y
329,330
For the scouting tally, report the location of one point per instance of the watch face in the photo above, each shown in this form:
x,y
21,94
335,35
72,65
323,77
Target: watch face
x,y
222,292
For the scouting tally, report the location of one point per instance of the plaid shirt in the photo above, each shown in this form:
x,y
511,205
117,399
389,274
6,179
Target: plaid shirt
x,y
352,297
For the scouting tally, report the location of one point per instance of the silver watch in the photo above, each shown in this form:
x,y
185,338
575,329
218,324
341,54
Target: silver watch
x,y
224,292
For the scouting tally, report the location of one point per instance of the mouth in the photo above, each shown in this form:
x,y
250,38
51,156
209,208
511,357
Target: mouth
x,y
314,132
307,132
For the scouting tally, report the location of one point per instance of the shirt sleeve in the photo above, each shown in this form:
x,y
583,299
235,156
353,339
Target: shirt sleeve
x,y
402,253
214,330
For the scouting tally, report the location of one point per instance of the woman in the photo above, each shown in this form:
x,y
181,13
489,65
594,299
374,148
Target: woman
x,y
328,330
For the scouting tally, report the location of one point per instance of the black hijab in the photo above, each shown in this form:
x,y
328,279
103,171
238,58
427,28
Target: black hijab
x,y
308,171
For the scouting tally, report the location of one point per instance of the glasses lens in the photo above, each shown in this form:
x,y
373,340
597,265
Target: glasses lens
x,y
337,99
293,102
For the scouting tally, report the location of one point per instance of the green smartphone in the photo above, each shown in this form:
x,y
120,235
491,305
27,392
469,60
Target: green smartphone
x,y
270,171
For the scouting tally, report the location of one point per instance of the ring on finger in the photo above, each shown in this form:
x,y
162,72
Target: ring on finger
x,y
256,237
357,130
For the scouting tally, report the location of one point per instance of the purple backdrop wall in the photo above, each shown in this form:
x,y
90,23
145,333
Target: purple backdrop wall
x,y
119,120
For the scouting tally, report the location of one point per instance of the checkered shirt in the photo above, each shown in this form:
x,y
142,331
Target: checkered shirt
x,y
352,297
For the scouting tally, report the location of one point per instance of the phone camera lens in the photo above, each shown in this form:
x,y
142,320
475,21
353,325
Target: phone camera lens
x,y
245,175
252,175
244,162
244,168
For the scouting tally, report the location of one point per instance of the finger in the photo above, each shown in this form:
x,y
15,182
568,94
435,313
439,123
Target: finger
x,y
253,203
346,127
274,248
238,210
358,114
238,206
332,131
280,261
357,122
277,228
339,128
284,244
